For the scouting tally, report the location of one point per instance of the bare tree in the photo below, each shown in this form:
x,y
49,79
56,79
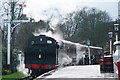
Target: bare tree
x,y
16,13
88,23
27,29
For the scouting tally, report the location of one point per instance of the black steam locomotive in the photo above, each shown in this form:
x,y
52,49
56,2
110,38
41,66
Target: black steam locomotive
x,y
40,54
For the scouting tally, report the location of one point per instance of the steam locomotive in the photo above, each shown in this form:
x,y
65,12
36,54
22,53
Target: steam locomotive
x,y
40,54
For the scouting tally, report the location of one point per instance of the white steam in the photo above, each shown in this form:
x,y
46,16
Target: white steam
x,y
79,52
21,68
57,35
64,59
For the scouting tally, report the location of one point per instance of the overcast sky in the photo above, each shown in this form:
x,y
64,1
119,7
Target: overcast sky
x,y
37,8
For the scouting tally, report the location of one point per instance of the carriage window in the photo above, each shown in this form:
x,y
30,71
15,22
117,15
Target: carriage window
x,y
49,42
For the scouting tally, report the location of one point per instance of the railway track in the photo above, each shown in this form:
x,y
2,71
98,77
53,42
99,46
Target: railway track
x,y
42,76
47,73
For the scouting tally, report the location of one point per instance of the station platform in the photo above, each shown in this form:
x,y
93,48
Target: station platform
x,y
81,72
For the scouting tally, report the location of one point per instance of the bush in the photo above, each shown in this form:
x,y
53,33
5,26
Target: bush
x,y
7,69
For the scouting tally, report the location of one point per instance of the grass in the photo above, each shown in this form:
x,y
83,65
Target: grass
x,y
13,76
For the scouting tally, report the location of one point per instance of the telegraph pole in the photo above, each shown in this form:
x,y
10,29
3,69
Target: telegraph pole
x,y
8,44
9,34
